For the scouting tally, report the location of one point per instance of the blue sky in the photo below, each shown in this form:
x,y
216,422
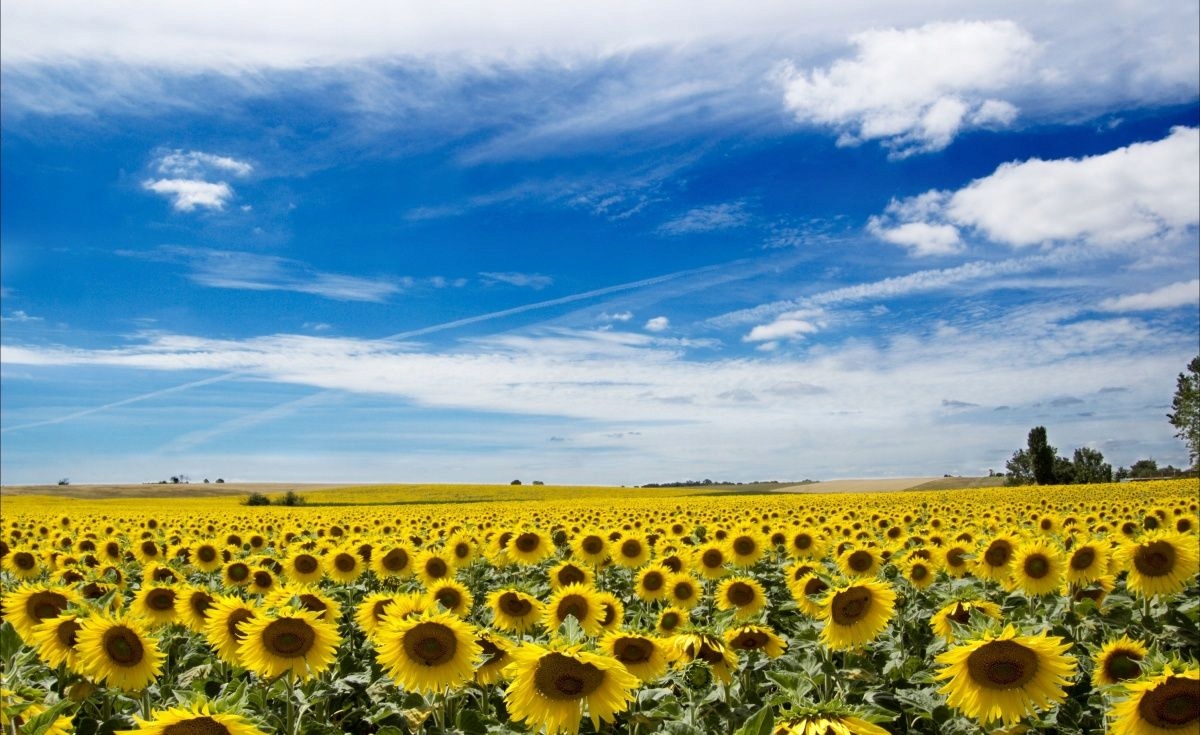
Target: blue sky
x,y
597,243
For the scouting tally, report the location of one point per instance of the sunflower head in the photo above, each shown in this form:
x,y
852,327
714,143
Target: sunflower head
x,y
514,611
1166,702
856,614
118,651
1117,661
552,688
641,655
199,719
292,640
429,652
1160,563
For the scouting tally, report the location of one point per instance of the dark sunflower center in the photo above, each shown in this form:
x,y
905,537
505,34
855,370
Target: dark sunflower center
x,y
674,563
123,646
919,572
1002,665
669,621
200,602
395,560
632,650
1122,665
850,606
45,605
1156,559
206,553
431,644
515,605
289,637
741,594
238,571
709,653
960,614
653,581
610,614
802,541
564,678
436,568
576,605
712,558
1083,558
860,561
67,632
234,621
24,560
462,550
1037,566
203,725
379,608
164,575
815,586
528,542
306,564
998,554
571,574
263,579
631,548
592,545
1172,705
149,548
345,563
744,546
312,603
684,591
956,557
491,652
750,640
161,600
449,598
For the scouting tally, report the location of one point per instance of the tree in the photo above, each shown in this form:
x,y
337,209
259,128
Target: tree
x,y
1064,472
1041,456
1144,468
1186,414
1089,466
1020,469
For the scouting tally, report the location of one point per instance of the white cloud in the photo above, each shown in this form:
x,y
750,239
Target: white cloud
x,y
1168,297
657,324
916,89
536,281
192,164
1138,193
780,329
620,316
707,219
921,238
18,316
187,194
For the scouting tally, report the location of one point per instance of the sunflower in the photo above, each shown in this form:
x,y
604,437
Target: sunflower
x,y
225,628
148,550
721,659
711,560
859,563
1037,569
755,638
1097,591
742,594
641,655
994,562
432,567
1159,564
671,619
428,653
652,583
530,547
369,614
808,591
118,651
632,551
552,689
568,572
28,605
303,567
292,640
451,595
959,612
205,556
192,605
156,603
612,611
746,548
306,597
514,611
955,560
577,601
805,544
1005,676
590,547
496,656
1088,562
918,572
1165,704
462,548
236,574
55,640
831,718
344,565
17,711
199,719
856,614
393,562
1117,661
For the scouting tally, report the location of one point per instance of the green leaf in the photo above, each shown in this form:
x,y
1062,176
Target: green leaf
x,y
760,723
10,642
389,730
43,722
471,722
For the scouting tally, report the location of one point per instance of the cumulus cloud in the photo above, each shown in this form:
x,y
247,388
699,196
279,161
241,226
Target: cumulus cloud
x,y
707,219
1168,297
187,179
657,324
187,194
536,281
783,328
194,164
918,88
1135,193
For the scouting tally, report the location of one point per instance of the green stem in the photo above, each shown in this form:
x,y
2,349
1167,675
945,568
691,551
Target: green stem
x,y
291,704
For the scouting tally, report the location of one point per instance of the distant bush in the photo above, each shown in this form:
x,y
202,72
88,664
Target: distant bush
x,y
290,500
257,499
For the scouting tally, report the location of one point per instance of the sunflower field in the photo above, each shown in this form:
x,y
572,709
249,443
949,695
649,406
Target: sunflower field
x,y
1072,609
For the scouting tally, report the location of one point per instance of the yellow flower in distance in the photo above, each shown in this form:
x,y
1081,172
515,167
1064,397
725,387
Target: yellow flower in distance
x,y
1005,676
553,689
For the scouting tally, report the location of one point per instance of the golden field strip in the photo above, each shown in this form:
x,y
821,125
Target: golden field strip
x,y
515,609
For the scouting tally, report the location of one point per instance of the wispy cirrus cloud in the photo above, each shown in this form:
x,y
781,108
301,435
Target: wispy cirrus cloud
x,y
536,281
257,272
710,218
1186,293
